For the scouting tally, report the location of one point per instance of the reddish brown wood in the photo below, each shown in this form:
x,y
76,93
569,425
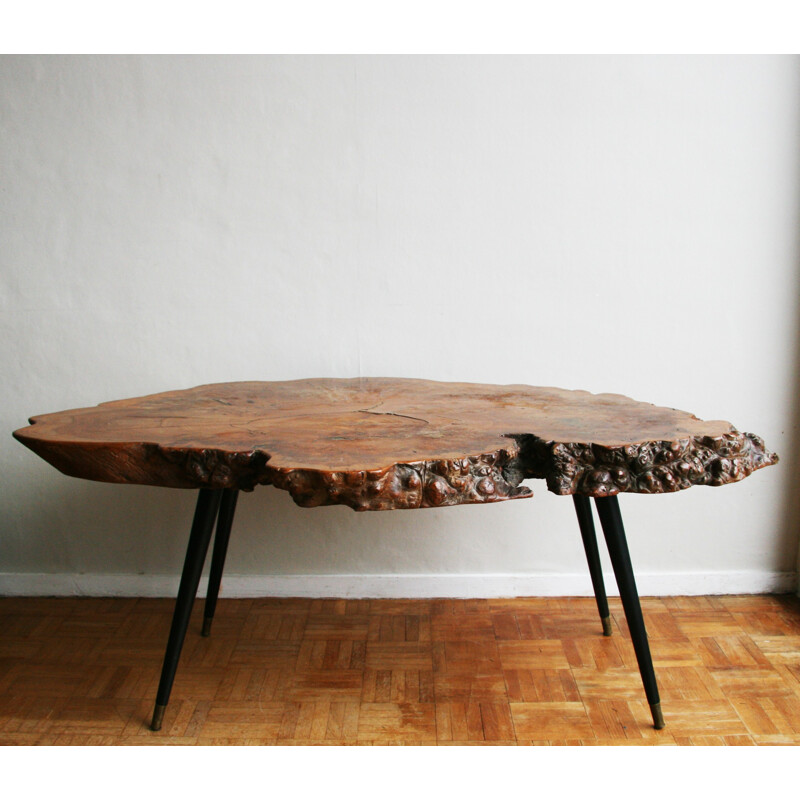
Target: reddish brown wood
x,y
382,443
280,671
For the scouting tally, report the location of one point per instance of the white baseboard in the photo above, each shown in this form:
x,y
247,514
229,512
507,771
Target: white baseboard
x,y
354,586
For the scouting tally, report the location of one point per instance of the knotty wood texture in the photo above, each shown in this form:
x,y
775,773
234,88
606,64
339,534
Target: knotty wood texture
x,y
385,443
298,671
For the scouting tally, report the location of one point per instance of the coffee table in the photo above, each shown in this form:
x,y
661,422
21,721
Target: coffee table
x,y
378,444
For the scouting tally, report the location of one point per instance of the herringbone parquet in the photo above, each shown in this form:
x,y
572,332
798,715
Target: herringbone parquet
x,y
297,671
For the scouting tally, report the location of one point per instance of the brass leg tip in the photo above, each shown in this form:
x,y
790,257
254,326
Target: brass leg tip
x,y
606,626
206,626
158,717
658,717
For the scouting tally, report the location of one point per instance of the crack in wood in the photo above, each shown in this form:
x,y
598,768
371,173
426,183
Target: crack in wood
x,y
391,414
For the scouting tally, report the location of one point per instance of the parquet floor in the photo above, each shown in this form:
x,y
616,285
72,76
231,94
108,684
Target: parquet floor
x,y
296,671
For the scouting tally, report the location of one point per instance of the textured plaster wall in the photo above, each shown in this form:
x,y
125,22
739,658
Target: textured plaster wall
x,y
612,224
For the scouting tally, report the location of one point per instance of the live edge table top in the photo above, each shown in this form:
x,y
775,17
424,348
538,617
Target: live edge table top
x,y
386,443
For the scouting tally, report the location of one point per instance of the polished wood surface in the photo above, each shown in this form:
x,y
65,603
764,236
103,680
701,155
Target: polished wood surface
x,y
384,443
296,671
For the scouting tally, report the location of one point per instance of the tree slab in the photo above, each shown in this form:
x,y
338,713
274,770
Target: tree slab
x,y
389,443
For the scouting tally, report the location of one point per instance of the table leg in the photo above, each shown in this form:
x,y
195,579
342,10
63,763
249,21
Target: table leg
x,y
583,508
227,508
202,526
611,520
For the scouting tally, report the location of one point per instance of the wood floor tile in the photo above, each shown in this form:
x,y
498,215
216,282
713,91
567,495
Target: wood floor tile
x,y
570,625
760,717
674,653
750,682
88,716
399,655
466,656
613,683
463,686
336,626
599,652
695,625
459,722
197,719
335,672
391,605
264,654
779,649
615,719
768,623
237,720
343,721
738,740
550,720
776,741
731,652
666,740
461,627
541,686
791,676
497,723
381,722
661,625
538,654
689,683
328,685
689,718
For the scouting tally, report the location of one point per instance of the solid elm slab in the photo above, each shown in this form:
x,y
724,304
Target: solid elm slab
x,y
387,443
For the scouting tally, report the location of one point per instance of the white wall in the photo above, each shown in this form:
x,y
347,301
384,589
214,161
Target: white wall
x,y
612,224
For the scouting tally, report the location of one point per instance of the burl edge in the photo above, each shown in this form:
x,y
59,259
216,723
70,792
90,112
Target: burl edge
x,y
436,478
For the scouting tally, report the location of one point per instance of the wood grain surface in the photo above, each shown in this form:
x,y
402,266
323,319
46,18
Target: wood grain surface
x,y
386,443
277,671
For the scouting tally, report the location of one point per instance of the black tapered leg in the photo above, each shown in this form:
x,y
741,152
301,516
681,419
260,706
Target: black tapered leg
x,y
611,520
202,526
583,508
227,508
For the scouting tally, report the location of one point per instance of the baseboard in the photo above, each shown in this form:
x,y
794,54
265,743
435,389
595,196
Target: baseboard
x,y
353,586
